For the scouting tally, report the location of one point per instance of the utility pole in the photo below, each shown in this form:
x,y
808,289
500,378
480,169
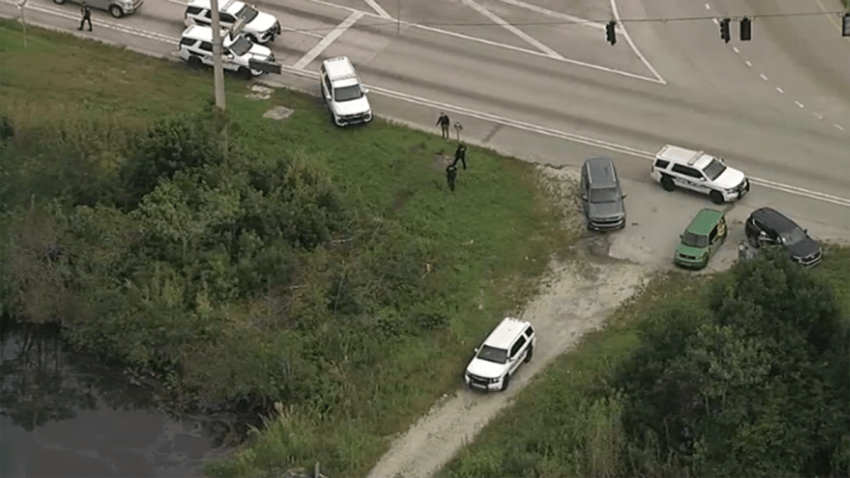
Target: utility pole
x,y
218,70
21,5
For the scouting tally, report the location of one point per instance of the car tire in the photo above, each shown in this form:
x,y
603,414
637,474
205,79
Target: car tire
x,y
667,183
754,242
529,354
506,382
116,11
194,62
244,73
716,197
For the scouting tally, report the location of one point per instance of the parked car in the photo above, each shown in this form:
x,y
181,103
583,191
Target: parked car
x,y
259,26
601,195
196,48
507,347
767,226
116,8
701,240
695,170
344,93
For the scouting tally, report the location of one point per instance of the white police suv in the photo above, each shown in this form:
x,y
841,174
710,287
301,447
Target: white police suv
x,y
507,347
695,170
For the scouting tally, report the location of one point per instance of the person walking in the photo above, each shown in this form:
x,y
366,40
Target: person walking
x,y
451,174
86,16
444,123
460,155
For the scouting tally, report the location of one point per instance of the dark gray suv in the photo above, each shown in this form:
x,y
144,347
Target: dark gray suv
x,y
602,196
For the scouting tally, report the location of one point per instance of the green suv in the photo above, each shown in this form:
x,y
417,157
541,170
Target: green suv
x,y
701,239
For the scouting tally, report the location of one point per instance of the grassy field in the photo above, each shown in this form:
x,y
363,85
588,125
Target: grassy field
x,y
565,407
494,235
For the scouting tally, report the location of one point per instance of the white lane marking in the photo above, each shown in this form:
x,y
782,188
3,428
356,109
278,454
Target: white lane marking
x,y
627,150
707,6
818,116
178,2
558,15
379,9
715,21
839,127
327,40
632,44
302,32
780,90
799,104
736,50
516,31
496,44
106,24
749,63
762,76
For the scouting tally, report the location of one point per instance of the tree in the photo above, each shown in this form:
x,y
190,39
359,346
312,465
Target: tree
x,y
759,388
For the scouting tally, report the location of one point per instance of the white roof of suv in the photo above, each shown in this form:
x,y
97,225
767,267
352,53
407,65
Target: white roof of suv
x,y
229,6
199,32
505,333
340,68
675,154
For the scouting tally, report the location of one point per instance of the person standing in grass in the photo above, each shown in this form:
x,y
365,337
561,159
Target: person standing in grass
x,y
460,155
444,122
451,174
86,16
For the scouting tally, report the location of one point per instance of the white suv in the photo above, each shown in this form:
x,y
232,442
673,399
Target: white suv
x,y
259,27
196,48
509,345
700,172
343,92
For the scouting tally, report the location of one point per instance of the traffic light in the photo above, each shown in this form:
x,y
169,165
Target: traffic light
x,y
724,30
610,32
845,31
746,29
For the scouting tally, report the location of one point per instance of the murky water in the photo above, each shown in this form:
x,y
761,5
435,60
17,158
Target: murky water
x,y
67,415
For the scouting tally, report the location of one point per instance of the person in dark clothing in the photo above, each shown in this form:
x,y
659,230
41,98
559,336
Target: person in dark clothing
x,y
451,174
86,16
444,123
460,155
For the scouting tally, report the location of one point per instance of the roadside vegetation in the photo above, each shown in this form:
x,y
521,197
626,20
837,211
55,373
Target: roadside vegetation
x,y
325,277
743,373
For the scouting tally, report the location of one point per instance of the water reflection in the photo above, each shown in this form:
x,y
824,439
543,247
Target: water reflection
x,y
64,414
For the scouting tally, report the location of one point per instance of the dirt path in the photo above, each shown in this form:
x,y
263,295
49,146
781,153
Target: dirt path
x,y
576,300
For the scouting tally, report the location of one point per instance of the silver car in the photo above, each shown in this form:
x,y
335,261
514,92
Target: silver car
x,y
116,8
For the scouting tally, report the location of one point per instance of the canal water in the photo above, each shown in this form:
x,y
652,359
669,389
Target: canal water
x,y
68,415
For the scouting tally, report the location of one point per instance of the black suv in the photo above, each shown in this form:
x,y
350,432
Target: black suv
x,y
770,227
601,195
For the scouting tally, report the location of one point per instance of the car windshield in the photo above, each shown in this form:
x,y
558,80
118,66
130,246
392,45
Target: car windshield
x,y
694,240
241,46
492,354
248,13
604,195
793,236
348,93
714,169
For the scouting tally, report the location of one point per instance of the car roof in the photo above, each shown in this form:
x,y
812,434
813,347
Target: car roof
x,y
229,6
340,68
774,219
676,154
704,221
200,32
505,333
601,172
